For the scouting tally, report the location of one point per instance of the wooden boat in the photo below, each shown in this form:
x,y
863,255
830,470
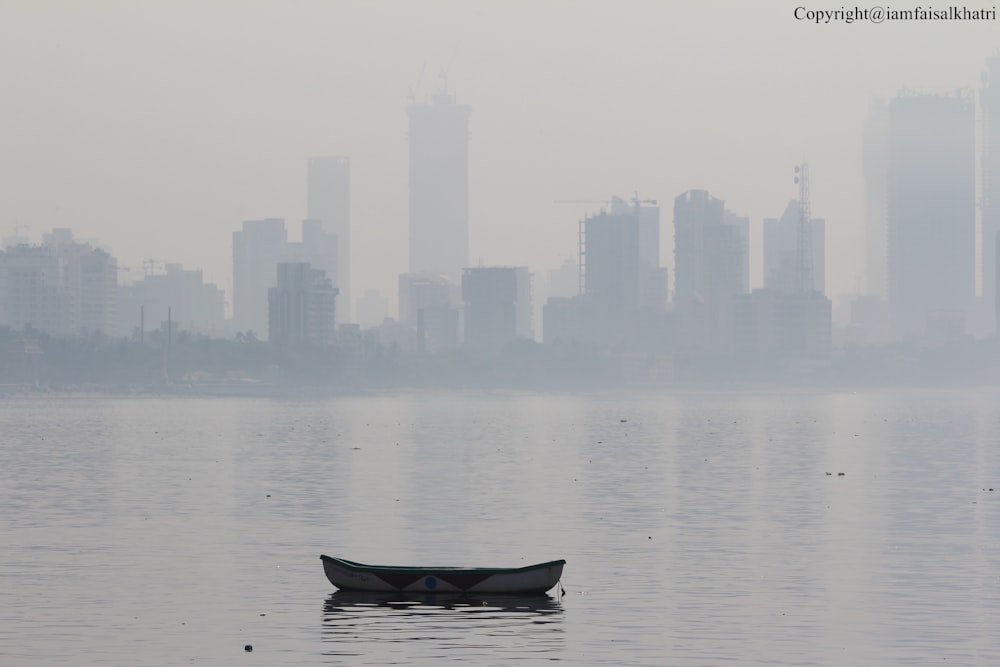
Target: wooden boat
x,y
530,579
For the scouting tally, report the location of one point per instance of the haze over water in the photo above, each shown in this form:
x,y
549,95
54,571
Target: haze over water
x,y
698,528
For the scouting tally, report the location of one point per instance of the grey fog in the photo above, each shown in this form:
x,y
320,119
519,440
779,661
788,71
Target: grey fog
x,y
700,298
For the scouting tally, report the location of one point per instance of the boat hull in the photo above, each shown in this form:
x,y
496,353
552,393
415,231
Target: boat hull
x,y
532,579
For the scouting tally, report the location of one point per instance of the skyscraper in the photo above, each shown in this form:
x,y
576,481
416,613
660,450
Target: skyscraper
x,y
497,306
611,260
624,294
931,209
742,225
710,248
652,277
989,99
711,255
874,157
439,187
257,249
319,248
328,195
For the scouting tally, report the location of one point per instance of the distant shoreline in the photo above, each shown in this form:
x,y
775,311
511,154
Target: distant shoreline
x,y
264,390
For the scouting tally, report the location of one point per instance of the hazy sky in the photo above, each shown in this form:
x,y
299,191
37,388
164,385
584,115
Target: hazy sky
x,y
157,127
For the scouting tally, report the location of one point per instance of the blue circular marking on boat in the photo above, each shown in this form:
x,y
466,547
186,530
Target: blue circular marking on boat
x,y
431,583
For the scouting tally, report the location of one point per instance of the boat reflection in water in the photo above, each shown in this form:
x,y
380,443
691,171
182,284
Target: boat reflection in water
x,y
390,627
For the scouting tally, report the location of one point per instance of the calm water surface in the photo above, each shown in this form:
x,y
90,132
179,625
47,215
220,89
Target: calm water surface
x,y
698,529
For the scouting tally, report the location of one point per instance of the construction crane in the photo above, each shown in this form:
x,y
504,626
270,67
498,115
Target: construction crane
x,y
639,202
803,245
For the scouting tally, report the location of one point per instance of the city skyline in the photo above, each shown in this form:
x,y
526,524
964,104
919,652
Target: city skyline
x,y
115,130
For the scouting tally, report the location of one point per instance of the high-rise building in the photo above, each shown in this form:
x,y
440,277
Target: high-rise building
x,y
320,249
611,259
621,256
741,223
62,287
257,249
491,297
931,209
781,238
525,309
301,306
989,99
652,277
439,187
874,166
32,290
328,195
710,248
624,289
711,257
